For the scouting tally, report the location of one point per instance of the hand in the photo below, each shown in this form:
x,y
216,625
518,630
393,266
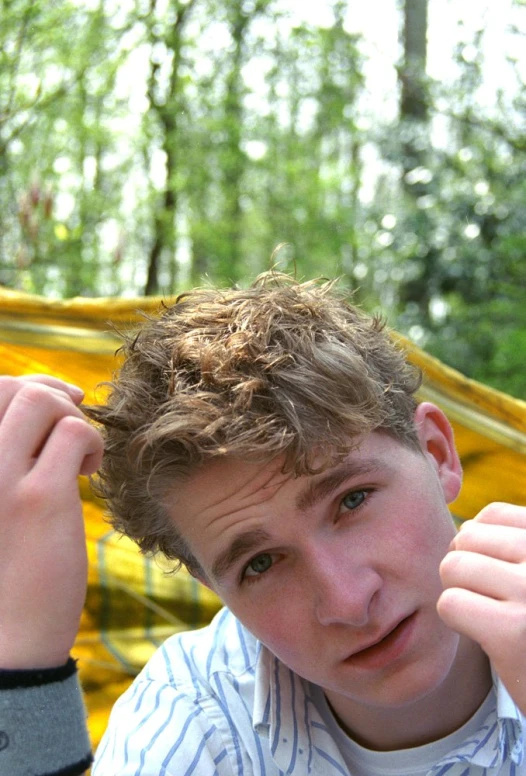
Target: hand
x,y
484,575
45,443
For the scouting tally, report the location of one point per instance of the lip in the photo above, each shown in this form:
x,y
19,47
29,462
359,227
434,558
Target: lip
x,y
387,648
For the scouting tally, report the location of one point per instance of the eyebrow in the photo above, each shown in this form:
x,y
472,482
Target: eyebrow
x,y
249,541
317,491
244,544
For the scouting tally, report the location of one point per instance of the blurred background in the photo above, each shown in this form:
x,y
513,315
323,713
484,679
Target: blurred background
x,y
147,146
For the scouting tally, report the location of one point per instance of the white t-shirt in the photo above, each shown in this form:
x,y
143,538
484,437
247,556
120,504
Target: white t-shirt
x,y
416,761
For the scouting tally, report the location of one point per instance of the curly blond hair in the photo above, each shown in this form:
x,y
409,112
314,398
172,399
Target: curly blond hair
x,y
279,369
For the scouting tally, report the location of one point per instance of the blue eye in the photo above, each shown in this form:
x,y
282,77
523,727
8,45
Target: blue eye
x,y
259,565
354,499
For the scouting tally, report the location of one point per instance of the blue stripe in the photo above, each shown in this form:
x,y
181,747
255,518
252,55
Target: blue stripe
x,y
278,708
294,723
242,641
332,761
191,768
307,703
103,746
140,723
233,730
179,741
191,671
215,643
445,769
256,737
220,757
141,695
162,728
484,740
167,664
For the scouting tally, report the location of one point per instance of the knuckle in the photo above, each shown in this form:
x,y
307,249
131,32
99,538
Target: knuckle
x,y
72,426
32,393
76,433
76,427
471,536
447,604
34,494
450,564
490,511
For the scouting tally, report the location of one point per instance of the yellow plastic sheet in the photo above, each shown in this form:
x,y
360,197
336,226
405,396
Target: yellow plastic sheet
x,y
132,604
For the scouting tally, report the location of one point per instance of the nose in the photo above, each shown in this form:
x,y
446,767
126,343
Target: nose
x,y
343,590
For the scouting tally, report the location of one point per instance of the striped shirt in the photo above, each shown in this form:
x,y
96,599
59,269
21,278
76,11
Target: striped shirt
x,y
215,702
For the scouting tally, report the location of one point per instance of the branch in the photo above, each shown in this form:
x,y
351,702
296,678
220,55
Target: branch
x,y
19,43
517,143
42,104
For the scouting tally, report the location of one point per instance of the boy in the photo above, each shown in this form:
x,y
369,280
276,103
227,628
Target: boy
x,y
269,440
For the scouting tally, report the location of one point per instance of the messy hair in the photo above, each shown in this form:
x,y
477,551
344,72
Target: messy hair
x,y
281,369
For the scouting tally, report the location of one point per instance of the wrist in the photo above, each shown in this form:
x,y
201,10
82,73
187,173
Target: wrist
x,y
31,662
21,652
16,678
43,722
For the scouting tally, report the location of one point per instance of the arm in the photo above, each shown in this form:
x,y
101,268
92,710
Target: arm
x,y
45,443
484,575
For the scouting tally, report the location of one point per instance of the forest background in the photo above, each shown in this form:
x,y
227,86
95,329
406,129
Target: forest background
x,y
151,145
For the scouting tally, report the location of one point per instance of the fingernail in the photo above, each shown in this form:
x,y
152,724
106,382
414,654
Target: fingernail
x,y
75,390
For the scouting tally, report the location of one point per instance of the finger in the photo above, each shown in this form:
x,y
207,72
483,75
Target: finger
x,y
11,386
484,575
73,447
499,628
501,513
485,620
73,391
497,541
27,422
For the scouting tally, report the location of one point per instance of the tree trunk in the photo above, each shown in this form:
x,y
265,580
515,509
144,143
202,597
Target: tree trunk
x,y
413,119
167,110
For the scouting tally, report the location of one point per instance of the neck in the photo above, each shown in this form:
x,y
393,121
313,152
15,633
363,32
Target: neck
x,y
429,719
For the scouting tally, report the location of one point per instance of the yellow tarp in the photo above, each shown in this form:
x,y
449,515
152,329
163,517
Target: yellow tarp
x,y
132,606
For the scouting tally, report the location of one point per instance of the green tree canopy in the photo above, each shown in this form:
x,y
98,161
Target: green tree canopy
x,y
148,145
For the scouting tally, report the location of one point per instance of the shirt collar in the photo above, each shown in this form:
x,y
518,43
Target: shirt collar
x,y
499,739
285,713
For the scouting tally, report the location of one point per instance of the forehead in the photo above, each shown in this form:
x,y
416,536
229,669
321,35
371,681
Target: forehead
x,y
225,485
227,495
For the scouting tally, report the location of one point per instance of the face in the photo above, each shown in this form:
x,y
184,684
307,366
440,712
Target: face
x,y
337,573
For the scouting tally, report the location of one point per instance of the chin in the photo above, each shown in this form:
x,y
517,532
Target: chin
x,y
426,678
416,679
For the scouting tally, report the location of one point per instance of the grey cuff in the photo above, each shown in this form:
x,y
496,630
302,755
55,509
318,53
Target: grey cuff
x,y
43,723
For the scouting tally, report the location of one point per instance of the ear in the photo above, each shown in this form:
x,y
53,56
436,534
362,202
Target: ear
x,y
438,446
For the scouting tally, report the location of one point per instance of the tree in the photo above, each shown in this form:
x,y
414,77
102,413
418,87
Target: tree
x,y
149,146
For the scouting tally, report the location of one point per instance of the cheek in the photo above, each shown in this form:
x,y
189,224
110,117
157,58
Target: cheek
x,y
280,622
418,548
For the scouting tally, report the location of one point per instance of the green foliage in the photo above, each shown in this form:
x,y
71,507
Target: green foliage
x,y
148,146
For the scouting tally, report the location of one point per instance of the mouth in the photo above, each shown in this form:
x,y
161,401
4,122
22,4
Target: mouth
x,y
386,649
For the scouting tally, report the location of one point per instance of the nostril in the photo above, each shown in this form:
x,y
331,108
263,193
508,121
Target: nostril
x,y
340,600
